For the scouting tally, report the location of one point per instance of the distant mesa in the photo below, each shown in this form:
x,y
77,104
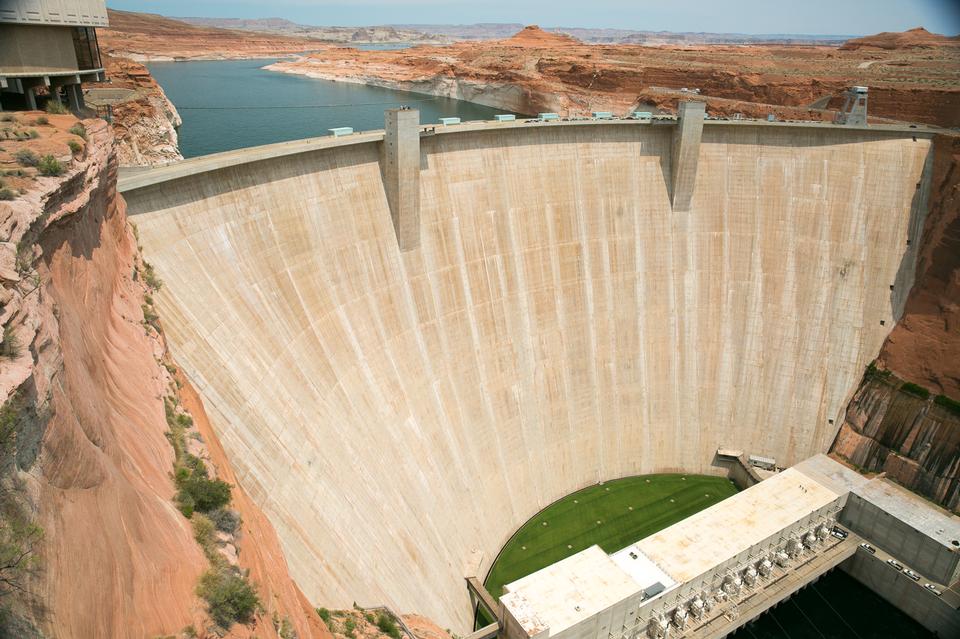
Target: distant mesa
x,y
912,39
534,36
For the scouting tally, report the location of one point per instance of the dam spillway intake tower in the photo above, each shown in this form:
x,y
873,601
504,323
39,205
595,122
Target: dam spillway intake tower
x,y
556,321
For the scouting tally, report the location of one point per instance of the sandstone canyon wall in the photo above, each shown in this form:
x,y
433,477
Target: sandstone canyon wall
x,y
915,441
116,558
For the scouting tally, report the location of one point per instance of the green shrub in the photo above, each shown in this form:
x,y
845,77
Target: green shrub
x,y
370,618
913,389
286,630
387,625
951,405
79,129
26,157
33,134
150,276
75,147
50,166
198,489
324,614
225,520
7,194
54,107
874,372
150,316
42,120
349,626
10,348
184,503
204,532
230,598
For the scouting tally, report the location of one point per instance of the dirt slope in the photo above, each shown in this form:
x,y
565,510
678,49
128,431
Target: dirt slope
x,y
144,36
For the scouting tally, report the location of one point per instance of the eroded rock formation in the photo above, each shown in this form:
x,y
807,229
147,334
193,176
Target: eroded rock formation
x,y
914,441
144,121
116,558
538,71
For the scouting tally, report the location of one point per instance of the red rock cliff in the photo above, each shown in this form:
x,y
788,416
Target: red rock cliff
x,y
117,559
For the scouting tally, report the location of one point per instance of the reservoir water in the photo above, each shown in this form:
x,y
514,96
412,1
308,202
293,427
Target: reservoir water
x,y
232,104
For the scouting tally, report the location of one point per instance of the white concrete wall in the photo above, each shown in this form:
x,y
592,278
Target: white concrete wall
x,y
557,325
80,13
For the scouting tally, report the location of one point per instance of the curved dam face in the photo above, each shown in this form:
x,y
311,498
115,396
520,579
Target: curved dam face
x,y
559,324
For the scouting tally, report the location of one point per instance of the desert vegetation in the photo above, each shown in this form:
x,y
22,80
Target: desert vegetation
x,y
230,595
20,535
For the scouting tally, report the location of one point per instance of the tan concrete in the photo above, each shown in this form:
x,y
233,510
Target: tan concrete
x,y
401,173
685,153
36,49
392,412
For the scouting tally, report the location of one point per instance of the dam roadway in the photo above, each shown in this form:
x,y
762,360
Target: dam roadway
x,y
560,323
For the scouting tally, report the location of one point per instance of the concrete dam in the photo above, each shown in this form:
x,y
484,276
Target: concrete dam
x,y
398,408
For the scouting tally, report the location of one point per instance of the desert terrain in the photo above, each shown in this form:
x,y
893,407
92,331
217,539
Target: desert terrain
x,y
913,76
144,36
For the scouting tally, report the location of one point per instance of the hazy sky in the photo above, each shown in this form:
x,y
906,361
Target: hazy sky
x,y
742,16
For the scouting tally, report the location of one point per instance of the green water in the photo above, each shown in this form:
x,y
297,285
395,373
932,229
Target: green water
x,y
232,104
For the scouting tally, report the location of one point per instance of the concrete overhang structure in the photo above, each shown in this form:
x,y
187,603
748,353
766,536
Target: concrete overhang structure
x,y
49,44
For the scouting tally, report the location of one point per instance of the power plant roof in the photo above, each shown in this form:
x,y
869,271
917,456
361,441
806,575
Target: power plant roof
x,y
912,510
569,591
693,546
578,587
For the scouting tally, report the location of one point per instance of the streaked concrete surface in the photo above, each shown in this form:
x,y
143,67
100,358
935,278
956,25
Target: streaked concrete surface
x,y
558,324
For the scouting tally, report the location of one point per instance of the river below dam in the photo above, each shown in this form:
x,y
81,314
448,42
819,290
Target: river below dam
x,y
233,104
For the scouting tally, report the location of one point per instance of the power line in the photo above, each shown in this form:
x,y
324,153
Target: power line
x,y
300,106
815,627
813,587
777,621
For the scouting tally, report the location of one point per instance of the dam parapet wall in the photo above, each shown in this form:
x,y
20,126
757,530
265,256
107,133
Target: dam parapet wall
x,y
558,324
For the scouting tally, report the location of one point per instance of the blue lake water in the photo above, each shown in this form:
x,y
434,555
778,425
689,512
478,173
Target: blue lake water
x,y
232,104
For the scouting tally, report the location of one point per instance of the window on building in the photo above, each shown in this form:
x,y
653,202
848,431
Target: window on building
x,y
87,48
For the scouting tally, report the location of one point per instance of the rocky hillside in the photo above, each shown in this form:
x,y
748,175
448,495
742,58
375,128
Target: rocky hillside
x,y
537,71
341,35
144,120
897,428
924,347
145,36
918,38
89,414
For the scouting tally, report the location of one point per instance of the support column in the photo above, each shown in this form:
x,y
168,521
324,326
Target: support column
x,y
30,98
75,97
685,154
401,174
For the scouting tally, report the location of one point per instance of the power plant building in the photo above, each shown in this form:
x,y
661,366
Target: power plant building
x,y
46,45
679,572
